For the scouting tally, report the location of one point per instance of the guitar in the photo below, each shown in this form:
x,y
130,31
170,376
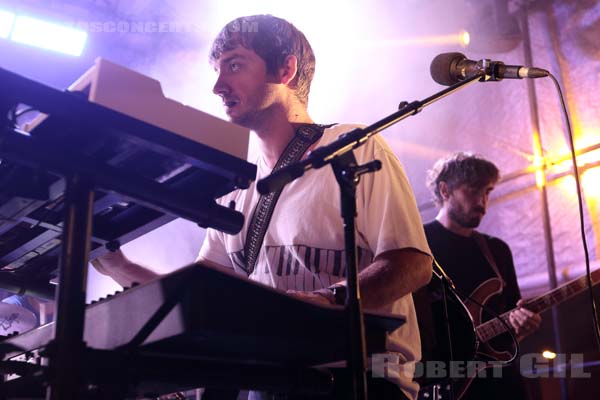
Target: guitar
x,y
492,328
429,307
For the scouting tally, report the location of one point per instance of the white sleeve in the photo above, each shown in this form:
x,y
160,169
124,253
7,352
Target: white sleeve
x,y
388,217
213,249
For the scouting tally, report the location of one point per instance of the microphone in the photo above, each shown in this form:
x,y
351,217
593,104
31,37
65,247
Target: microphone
x,y
450,68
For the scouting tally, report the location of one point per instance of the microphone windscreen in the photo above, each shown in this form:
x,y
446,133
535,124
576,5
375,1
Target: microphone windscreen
x,y
442,68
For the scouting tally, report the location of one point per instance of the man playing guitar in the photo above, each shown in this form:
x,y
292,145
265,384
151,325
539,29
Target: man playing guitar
x,y
461,184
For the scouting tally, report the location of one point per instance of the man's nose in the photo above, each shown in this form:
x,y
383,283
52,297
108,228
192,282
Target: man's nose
x,y
483,199
220,86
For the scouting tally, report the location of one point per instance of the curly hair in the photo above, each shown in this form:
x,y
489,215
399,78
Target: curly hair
x,y
273,39
461,168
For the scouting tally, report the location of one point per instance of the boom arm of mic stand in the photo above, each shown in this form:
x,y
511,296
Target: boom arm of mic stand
x,y
324,155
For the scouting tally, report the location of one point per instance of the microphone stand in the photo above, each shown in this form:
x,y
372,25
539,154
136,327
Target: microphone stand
x,y
339,155
322,156
347,174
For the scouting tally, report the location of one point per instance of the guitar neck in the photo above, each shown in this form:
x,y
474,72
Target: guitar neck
x,y
494,327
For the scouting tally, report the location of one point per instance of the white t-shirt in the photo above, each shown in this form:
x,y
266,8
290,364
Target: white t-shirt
x,y
303,248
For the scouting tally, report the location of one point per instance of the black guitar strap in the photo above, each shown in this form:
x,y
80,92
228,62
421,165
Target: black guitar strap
x,y
487,253
306,135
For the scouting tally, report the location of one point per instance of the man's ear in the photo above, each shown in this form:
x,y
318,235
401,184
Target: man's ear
x,y
444,190
288,71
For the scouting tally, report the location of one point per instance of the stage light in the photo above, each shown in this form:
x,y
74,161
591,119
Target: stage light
x,y
465,38
587,144
47,35
567,186
540,176
539,161
549,355
590,180
587,147
461,38
6,23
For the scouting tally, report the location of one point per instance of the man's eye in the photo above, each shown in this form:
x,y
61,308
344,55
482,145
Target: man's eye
x,y
234,67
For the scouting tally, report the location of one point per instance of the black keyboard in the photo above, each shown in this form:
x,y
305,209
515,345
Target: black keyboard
x,y
204,313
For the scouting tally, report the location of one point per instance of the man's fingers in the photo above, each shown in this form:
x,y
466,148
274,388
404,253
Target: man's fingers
x,y
527,312
520,303
524,321
98,266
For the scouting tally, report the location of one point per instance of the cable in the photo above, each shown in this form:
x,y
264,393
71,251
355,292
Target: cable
x,y
580,205
446,283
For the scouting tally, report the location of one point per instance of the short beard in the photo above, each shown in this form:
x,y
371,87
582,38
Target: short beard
x,y
462,220
254,120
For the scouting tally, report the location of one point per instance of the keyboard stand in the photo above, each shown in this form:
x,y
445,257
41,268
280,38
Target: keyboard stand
x,y
76,122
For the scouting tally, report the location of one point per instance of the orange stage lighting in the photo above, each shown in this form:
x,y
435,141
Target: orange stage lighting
x,y
462,38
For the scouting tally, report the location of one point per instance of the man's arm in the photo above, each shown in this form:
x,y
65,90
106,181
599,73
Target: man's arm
x,y
124,271
392,274
389,222
523,321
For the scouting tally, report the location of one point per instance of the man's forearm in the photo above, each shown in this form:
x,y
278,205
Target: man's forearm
x,y
393,274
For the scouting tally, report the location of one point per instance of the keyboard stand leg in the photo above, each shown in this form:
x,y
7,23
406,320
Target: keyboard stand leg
x,y
68,346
